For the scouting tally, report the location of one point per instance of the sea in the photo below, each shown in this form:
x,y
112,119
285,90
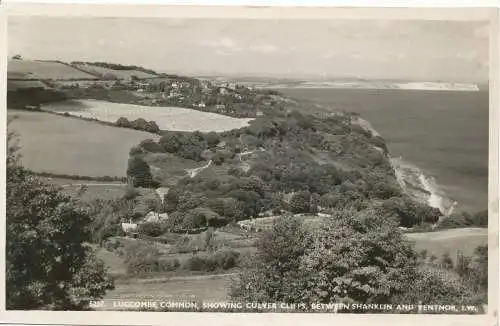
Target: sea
x,y
441,135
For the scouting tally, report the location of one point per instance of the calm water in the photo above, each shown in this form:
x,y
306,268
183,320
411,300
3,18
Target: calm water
x,y
444,133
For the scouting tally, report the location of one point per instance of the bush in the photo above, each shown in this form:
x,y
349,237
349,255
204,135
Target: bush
x,y
152,229
226,259
130,193
152,127
300,202
433,285
409,212
197,263
167,265
218,159
200,242
136,150
151,146
464,219
123,122
141,258
223,259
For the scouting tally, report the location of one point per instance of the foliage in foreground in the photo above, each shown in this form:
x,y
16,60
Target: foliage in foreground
x,y
353,257
48,265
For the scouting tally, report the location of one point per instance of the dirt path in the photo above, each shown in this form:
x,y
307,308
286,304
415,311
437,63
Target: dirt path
x,y
194,172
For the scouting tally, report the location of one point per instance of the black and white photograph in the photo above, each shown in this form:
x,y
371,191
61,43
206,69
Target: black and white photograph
x,y
248,165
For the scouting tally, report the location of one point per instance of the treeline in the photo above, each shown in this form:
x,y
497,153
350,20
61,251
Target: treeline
x,y
79,177
138,124
23,97
464,219
116,66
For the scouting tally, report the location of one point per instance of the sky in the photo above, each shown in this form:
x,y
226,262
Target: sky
x,y
369,49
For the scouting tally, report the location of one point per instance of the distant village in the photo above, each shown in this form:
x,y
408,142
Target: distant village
x,y
87,80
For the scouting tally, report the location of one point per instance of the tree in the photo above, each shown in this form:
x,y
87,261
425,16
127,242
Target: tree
x,y
152,127
140,173
151,146
48,264
123,122
17,57
353,257
434,285
300,202
170,142
139,124
275,270
212,139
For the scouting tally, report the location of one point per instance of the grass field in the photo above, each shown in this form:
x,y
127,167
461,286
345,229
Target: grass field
x,y
62,145
120,74
31,69
193,288
14,85
450,241
167,118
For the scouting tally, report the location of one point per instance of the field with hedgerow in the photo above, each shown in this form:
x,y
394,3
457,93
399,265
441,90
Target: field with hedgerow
x,y
63,145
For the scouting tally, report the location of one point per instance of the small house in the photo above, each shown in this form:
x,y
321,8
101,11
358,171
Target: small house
x,y
154,217
129,227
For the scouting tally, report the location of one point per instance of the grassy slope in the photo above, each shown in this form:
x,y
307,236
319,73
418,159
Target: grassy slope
x,y
32,69
450,241
55,144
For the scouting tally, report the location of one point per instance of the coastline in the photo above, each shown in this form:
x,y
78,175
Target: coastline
x,y
378,85
414,182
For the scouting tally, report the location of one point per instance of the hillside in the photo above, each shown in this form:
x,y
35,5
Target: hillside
x,y
285,161
39,70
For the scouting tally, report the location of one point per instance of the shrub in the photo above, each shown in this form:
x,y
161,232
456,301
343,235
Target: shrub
x,y
433,285
136,150
212,139
464,219
199,242
446,261
226,259
130,193
218,159
300,202
167,265
152,229
112,244
151,146
123,122
152,127
197,263
223,259
141,258
170,142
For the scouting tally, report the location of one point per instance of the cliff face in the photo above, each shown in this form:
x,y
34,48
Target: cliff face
x,y
413,181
